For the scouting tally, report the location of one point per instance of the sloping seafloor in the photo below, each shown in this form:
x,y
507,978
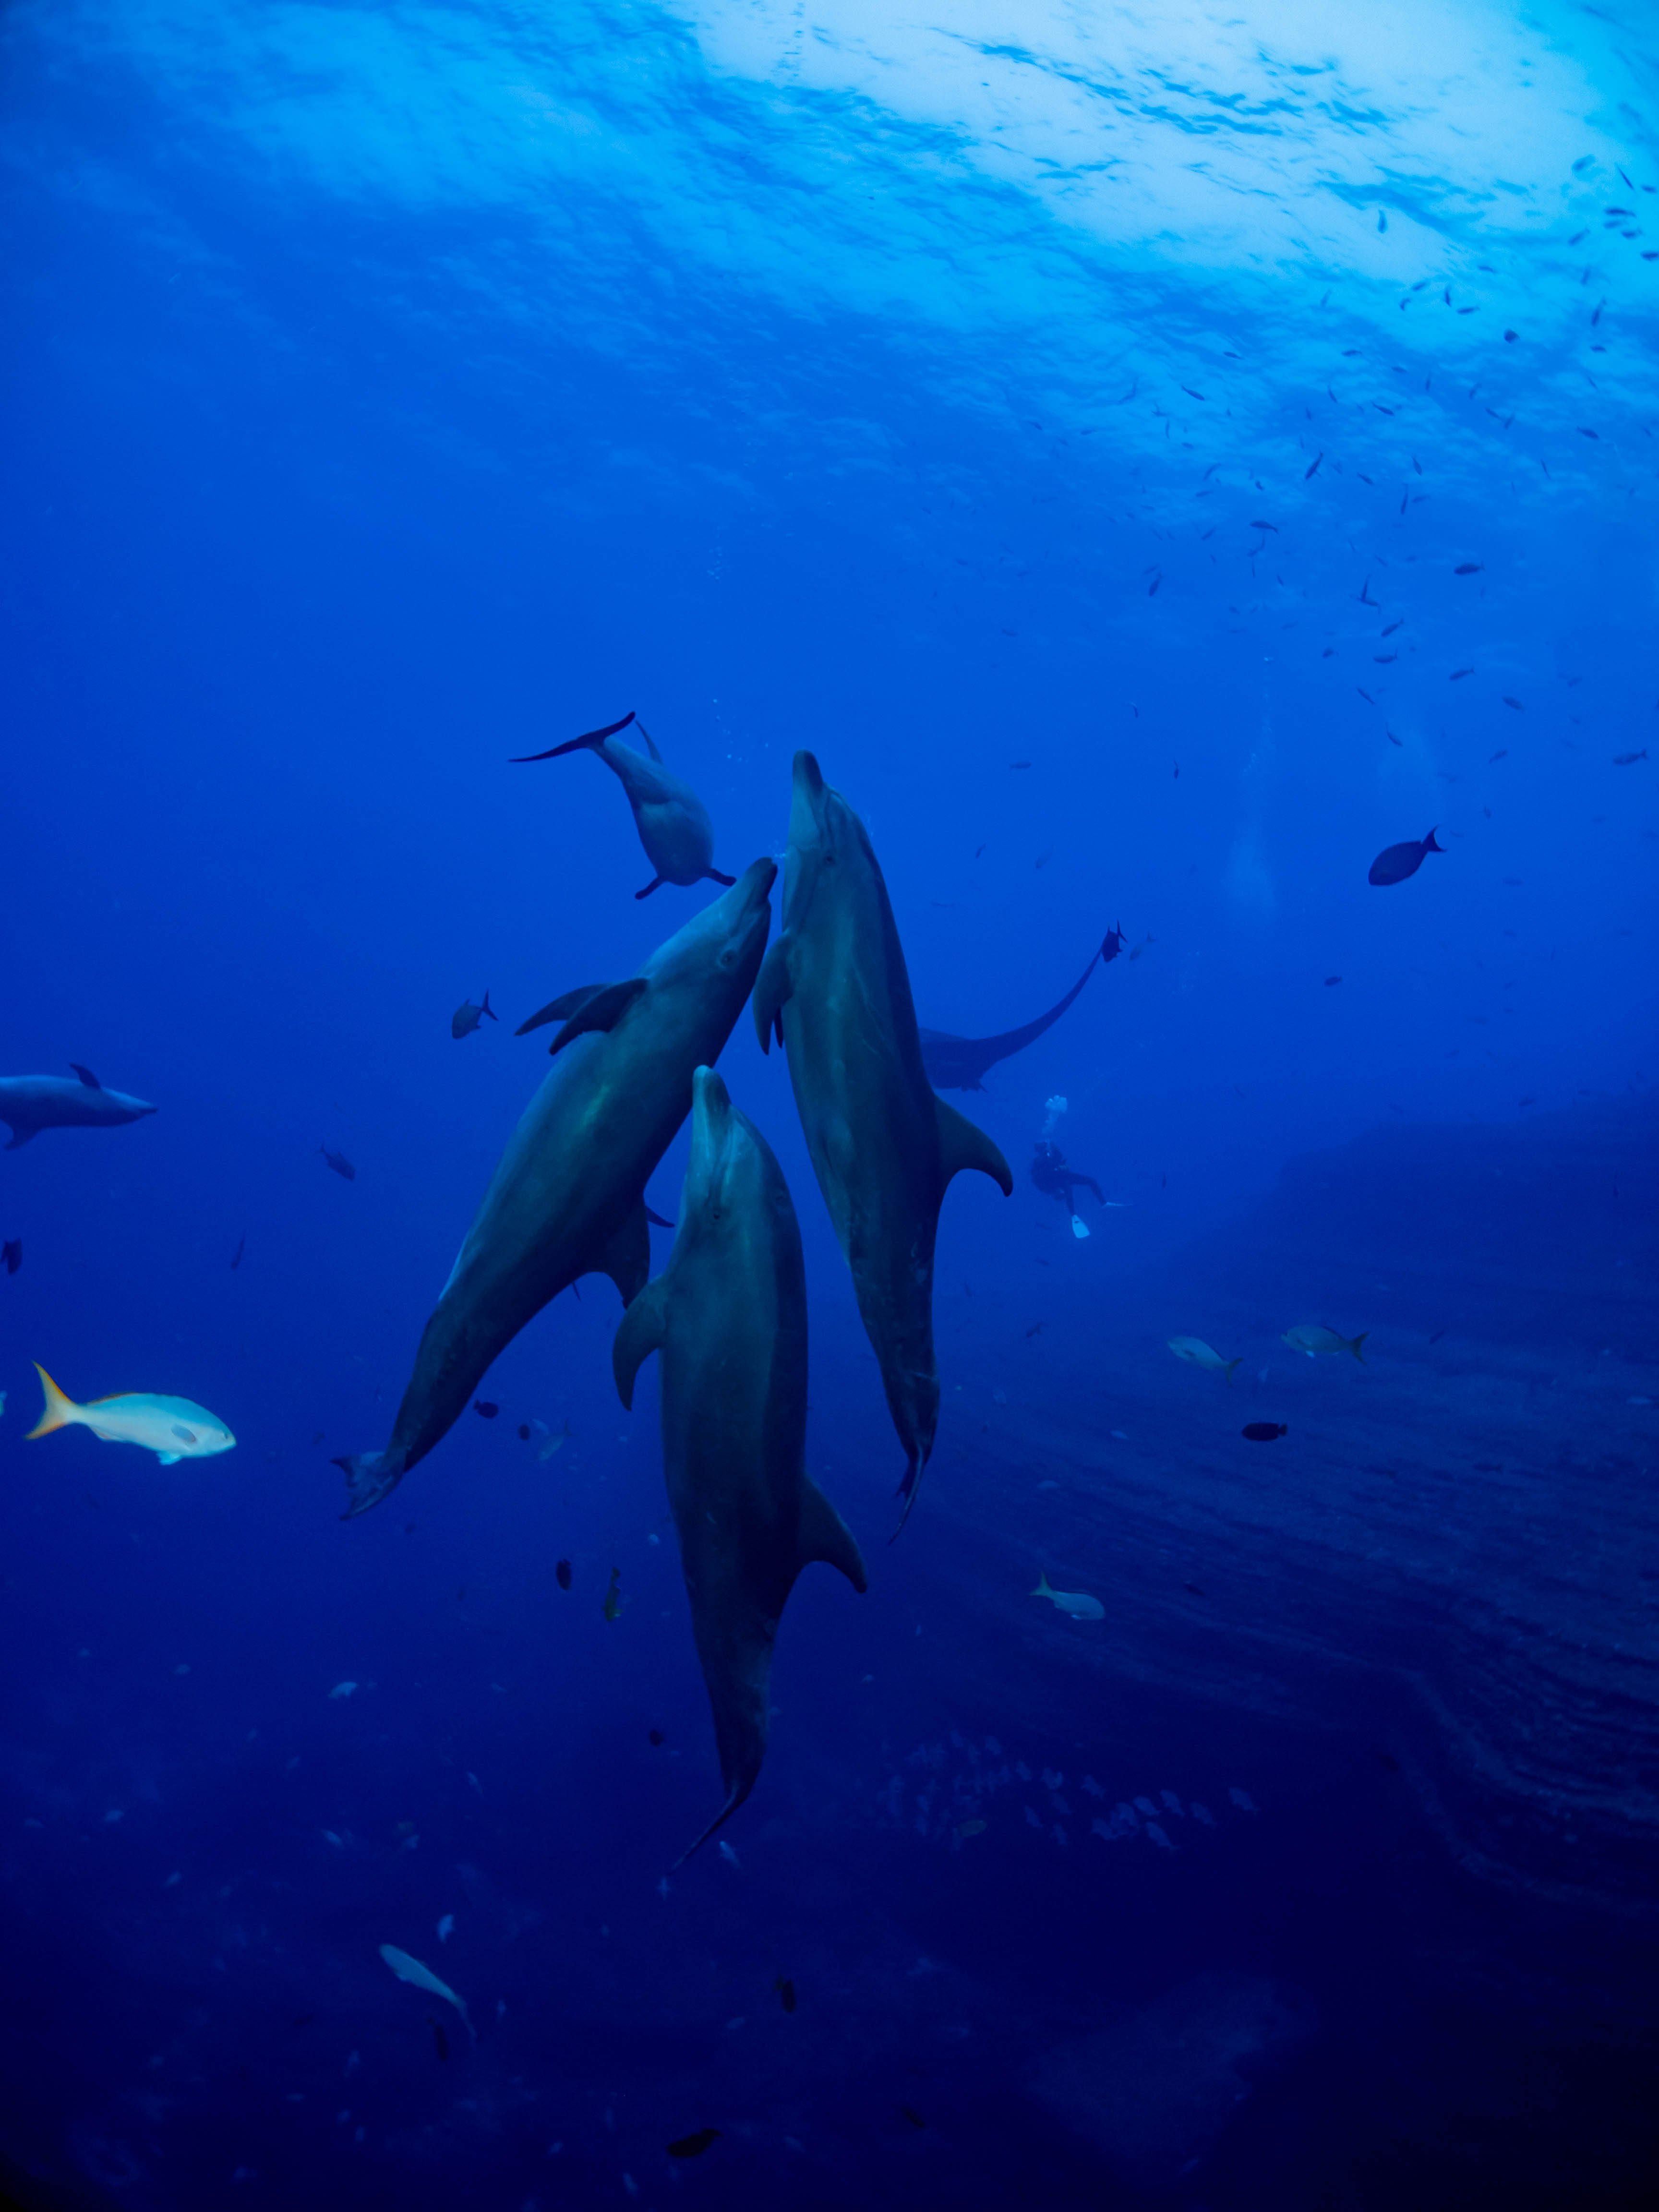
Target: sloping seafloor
x,y
1321,1873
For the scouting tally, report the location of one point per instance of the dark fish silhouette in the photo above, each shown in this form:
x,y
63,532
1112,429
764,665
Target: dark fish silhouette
x,y
12,1252
562,1574
693,2146
785,1990
672,821
1263,1432
1396,862
439,2040
486,1408
236,1256
523,1432
956,1063
339,1162
467,1017
1629,760
1329,979
1468,567
658,1738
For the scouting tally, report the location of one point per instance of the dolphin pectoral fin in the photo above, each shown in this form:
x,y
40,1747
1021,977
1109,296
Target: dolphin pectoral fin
x,y
627,1258
962,1145
656,1219
370,1476
655,883
602,1010
713,876
773,986
560,1009
169,1459
638,1335
824,1535
20,1137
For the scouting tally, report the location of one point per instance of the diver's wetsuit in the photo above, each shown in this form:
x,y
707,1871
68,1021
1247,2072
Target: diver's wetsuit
x,y
1056,1180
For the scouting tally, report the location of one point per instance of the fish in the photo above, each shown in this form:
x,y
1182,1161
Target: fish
x,y
1468,567
967,1828
418,1976
1197,1353
1312,469
613,1594
694,2145
439,2040
1395,863
786,1992
1331,981
12,1252
29,1103
236,1256
728,1316
523,1432
1516,703
1458,674
1313,1338
672,822
467,1017
562,1574
485,1408
446,1927
1263,1432
339,1162
173,1428
913,2116
657,1739
341,1689
568,1196
1620,760
554,1441
956,1063
1076,1603
835,991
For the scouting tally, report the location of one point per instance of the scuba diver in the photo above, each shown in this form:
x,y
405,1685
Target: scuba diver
x,y
1054,1178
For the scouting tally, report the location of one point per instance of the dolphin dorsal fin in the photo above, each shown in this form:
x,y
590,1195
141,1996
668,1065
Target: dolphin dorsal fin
x,y
962,1145
823,1534
640,1334
93,1084
602,1010
650,743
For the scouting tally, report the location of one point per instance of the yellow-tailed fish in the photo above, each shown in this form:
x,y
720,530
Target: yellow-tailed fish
x,y
1315,1339
1077,1603
1200,1354
422,1977
173,1428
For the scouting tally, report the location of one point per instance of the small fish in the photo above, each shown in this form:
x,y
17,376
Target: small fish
x,y
1135,950
613,1594
1364,695
1468,567
12,1252
485,1408
967,1828
1503,753
561,1573
1114,945
1395,863
446,1928
1012,764
1077,1603
1393,626
693,2146
339,1162
1274,526
422,1977
913,2116
1151,588
1458,674
523,1432
1312,469
439,2040
731,1856
1313,1338
235,1257
785,1990
1331,980
1034,1330
658,1738
173,1428
467,1017
343,1690
1194,1350
1263,1432
555,1440
1629,760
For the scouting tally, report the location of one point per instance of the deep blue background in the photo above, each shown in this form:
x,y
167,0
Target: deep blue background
x,y
388,391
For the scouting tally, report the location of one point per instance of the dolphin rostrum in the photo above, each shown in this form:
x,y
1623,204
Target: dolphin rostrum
x,y
833,988
955,1063
728,1314
672,821
568,1196
29,1103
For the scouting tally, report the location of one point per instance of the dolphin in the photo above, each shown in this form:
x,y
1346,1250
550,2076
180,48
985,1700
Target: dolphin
x,y
29,1103
834,990
728,1314
955,1063
568,1196
672,821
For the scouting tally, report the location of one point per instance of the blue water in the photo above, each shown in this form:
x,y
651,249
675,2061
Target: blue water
x,y
1155,460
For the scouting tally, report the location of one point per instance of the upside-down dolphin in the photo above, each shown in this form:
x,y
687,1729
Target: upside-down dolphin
x,y
567,1198
673,823
956,1063
834,989
728,1314
29,1103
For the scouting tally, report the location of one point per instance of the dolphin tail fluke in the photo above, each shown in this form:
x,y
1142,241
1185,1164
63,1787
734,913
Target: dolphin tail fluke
x,y
370,1476
739,1790
962,1145
824,1535
772,987
640,1334
58,1413
590,739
